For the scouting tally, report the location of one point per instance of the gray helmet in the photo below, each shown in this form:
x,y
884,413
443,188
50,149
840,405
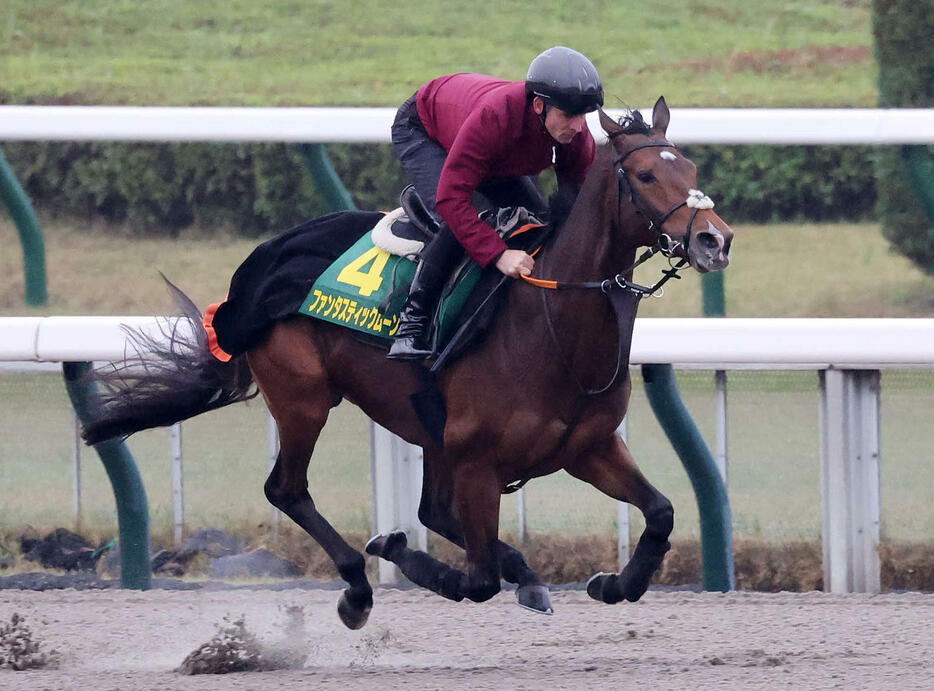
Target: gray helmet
x,y
566,79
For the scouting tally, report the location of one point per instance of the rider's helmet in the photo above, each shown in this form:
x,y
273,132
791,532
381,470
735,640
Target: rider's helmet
x,y
566,79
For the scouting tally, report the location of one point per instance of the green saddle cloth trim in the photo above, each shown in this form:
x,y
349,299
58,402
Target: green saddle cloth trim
x,y
365,288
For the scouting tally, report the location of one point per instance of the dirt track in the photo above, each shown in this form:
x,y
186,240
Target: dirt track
x,y
117,639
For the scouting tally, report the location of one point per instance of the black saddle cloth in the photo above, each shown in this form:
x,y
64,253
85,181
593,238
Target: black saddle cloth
x,y
274,280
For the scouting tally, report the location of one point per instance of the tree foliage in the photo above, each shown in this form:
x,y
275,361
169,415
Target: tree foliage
x,y
903,31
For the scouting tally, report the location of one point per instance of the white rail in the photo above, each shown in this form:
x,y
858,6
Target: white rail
x,y
358,125
709,343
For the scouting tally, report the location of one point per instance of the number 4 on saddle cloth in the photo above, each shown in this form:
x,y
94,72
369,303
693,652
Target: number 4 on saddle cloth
x,y
330,269
365,288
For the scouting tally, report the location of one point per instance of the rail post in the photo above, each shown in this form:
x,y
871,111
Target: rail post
x,y
30,234
850,460
130,495
712,501
326,178
397,471
713,295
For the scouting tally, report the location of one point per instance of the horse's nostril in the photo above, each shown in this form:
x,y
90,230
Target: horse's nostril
x,y
707,240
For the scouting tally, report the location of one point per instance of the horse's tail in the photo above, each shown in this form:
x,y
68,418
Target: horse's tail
x,y
171,378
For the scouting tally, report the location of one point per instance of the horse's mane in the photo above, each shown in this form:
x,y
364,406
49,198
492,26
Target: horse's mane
x,y
560,204
632,122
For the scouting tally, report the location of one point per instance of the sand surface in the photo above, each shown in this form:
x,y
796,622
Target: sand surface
x,y
119,639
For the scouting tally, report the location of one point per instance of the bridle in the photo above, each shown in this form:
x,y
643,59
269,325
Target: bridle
x,y
622,293
666,245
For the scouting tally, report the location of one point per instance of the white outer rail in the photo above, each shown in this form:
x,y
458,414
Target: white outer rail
x,y
728,343
804,343
70,339
359,125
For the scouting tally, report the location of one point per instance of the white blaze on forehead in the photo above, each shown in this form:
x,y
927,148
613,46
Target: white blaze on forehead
x,y
668,156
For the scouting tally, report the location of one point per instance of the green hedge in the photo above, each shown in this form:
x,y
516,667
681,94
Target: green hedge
x,y
170,189
256,188
903,31
787,183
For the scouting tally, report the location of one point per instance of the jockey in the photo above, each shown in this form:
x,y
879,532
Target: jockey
x,y
469,142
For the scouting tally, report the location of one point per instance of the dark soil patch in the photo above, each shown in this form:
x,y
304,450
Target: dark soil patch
x,y
233,648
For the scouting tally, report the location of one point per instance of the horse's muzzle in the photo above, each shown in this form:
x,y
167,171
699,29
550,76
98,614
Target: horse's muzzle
x,y
710,249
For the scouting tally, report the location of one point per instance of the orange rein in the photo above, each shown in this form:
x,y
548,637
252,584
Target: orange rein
x,y
540,282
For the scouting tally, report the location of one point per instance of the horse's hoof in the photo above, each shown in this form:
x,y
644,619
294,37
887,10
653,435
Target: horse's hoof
x,y
353,617
604,587
386,545
375,545
535,598
595,585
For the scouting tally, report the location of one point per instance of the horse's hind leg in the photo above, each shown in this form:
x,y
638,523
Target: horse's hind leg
x,y
299,399
611,469
289,494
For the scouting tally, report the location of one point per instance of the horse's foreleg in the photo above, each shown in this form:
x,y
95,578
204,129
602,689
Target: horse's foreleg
x,y
477,491
419,567
611,469
477,503
531,591
435,512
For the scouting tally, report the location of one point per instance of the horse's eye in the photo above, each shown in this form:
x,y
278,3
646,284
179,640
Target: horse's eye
x,y
646,176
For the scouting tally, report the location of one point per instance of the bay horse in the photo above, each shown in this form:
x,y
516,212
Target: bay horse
x,y
531,399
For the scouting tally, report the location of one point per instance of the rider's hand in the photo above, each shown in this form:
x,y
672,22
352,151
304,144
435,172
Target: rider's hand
x,y
515,263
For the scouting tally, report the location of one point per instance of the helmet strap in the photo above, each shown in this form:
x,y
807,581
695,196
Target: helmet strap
x,y
544,114
541,116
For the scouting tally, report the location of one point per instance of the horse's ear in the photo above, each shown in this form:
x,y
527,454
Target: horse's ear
x,y
660,116
608,124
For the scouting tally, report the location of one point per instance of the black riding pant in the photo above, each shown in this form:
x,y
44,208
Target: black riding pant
x,y
423,158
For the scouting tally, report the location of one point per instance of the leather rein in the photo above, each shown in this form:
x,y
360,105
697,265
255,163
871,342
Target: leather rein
x,y
622,293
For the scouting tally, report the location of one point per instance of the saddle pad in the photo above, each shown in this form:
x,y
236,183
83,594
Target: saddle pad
x,y
365,288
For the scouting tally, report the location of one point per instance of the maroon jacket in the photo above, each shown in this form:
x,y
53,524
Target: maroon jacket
x,y
490,131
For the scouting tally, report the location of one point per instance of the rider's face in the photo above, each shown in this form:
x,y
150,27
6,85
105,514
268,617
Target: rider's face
x,y
561,126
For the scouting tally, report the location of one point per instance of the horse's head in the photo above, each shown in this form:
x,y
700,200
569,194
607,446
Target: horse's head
x,y
661,184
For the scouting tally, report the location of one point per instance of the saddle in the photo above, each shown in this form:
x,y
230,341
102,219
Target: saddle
x,y
365,288
405,231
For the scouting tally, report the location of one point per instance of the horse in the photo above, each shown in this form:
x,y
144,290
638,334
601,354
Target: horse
x,y
536,395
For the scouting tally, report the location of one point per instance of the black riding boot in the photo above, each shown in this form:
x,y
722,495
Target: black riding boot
x,y
415,316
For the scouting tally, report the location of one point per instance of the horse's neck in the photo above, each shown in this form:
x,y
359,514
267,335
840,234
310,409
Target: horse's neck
x,y
595,243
